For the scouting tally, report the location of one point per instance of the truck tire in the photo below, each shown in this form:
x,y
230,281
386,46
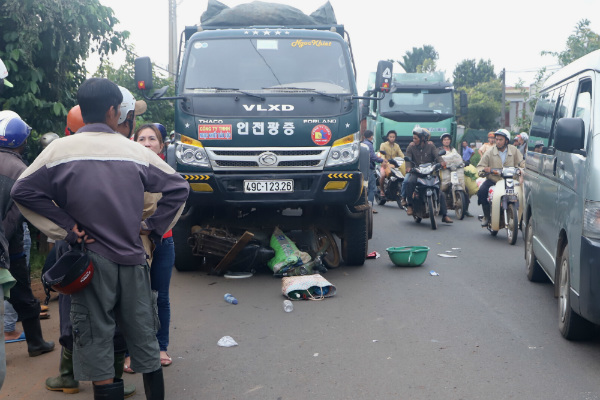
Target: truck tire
x,y
184,259
355,242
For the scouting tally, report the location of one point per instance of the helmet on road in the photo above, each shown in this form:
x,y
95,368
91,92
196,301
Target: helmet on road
x,y
47,138
502,132
422,133
13,130
74,121
163,131
446,135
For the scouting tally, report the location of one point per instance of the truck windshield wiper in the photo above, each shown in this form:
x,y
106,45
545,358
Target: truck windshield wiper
x,y
301,88
222,89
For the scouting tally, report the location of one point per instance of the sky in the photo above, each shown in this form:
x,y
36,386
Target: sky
x,y
510,33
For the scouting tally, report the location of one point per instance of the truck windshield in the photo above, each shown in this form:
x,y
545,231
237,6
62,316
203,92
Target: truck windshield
x,y
419,102
266,65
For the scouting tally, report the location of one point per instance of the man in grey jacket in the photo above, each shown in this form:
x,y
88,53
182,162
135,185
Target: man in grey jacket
x,y
90,187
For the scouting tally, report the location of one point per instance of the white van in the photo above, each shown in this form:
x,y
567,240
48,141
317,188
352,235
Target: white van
x,y
562,194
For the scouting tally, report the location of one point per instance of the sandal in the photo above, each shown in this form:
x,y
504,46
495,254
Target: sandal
x,y
44,315
166,361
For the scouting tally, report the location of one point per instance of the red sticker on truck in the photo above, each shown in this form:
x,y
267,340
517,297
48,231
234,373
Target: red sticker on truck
x,y
214,132
321,135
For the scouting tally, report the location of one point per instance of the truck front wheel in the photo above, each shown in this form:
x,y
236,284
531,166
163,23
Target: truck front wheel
x,y
355,242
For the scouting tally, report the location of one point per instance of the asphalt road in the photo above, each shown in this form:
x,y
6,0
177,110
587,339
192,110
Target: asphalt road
x,y
479,330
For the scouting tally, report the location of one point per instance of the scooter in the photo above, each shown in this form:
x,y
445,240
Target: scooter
x,y
506,196
426,202
391,184
454,190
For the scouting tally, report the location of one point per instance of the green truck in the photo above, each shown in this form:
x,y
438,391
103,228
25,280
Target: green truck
x,y
424,99
267,134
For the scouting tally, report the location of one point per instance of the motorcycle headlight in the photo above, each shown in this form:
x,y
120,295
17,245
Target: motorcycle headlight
x,y
343,151
425,170
190,151
591,219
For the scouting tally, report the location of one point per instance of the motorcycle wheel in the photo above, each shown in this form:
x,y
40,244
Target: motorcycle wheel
x,y
460,207
512,225
380,200
431,212
332,255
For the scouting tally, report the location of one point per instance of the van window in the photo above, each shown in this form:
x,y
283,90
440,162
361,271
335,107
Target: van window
x,y
542,118
561,109
583,105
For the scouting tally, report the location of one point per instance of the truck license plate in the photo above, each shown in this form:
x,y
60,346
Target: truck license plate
x,y
269,186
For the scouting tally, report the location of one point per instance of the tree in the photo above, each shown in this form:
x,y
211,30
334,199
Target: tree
x,y
530,97
485,103
420,59
469,74
580,43
161,111
44,44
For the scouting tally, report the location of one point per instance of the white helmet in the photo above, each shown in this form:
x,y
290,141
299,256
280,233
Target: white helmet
x,y
47,138
504,133
130,104
524,136
4,74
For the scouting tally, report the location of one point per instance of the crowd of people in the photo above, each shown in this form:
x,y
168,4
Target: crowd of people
x,y
104,187
496,153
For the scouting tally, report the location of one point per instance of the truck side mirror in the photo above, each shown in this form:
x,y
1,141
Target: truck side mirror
x,y
463,103
143,73
570,135
383,77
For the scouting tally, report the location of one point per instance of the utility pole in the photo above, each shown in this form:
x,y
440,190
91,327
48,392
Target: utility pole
x,y
502,117
172,37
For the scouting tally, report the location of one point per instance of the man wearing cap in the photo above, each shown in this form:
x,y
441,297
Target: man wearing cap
x,y
105,177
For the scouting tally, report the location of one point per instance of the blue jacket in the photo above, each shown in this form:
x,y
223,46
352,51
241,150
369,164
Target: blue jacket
x,y
372,155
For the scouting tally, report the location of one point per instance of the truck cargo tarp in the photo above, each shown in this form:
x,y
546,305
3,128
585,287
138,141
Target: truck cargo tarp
x,y
261,13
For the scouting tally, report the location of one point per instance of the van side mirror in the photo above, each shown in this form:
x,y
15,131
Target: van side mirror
x,y
383,77
143,73
463,103
570,135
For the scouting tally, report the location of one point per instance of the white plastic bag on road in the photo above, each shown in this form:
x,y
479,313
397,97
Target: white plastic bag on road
x,y
227,341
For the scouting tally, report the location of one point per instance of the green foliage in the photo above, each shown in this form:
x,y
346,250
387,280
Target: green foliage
x,y
44,44
420,59
475,158
161,111
580,43
469,74
485,103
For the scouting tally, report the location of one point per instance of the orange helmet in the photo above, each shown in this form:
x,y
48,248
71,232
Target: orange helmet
x,y
74,120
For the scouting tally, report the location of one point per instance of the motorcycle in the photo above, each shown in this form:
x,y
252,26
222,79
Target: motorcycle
x,y
453,187
426,202
391,184
506,196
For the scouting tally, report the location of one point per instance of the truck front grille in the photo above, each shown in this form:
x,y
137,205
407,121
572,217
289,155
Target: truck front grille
x,y
268,159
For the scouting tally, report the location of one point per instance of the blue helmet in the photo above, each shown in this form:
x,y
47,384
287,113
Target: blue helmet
x,y
13,130
163,131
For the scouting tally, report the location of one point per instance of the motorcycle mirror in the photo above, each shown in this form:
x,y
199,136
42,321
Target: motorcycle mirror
x,y
442,152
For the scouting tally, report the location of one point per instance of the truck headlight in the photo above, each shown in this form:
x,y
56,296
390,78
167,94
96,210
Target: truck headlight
x,y
190,151
343,151
591,219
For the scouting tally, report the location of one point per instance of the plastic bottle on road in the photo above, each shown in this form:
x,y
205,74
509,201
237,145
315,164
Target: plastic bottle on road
x,y
230,299
288,306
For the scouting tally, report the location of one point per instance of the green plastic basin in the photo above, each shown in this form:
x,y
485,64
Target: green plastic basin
x,y
408,256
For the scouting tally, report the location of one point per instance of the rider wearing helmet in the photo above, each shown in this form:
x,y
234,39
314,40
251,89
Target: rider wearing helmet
x,y
501,155
13,140
130,108
522,143
489,144
389,150
74,121
422,151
